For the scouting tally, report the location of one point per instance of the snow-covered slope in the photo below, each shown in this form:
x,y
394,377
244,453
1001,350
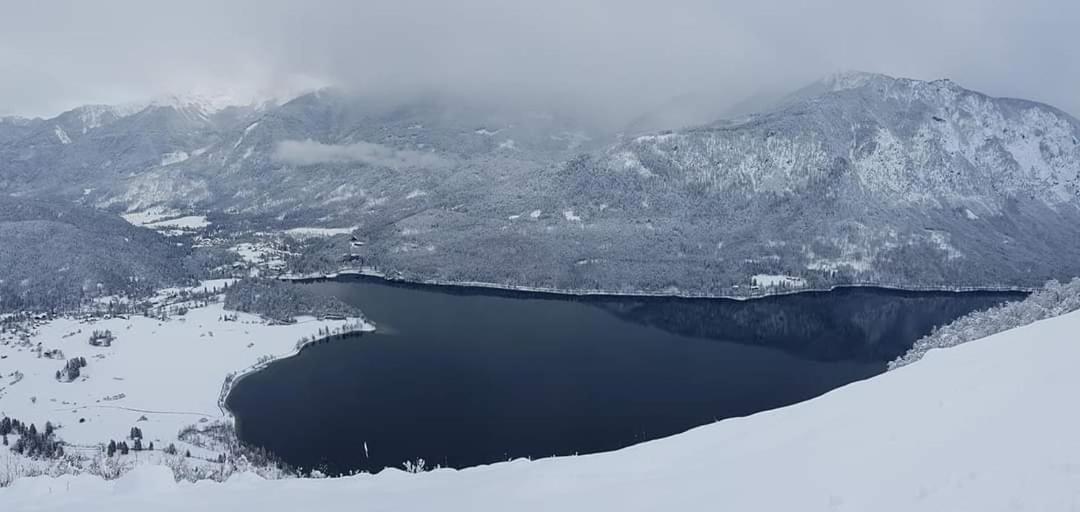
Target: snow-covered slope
x,y
990,425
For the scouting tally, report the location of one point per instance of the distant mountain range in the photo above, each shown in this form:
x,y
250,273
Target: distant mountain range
x,y
858,178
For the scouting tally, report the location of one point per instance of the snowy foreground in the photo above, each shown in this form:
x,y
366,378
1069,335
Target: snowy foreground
x,y
989,425
158,375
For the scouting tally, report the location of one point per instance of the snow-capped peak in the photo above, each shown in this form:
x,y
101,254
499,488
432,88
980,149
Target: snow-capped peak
x,y
201,104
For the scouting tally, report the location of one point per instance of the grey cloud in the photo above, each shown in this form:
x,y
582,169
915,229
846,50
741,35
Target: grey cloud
x,y
309,152
616,57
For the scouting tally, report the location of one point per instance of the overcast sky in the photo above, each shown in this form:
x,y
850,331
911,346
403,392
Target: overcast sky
x,y
619,55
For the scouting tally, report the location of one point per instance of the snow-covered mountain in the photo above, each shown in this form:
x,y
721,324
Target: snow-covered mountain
x,y
91,147
902,141
869,178
857,178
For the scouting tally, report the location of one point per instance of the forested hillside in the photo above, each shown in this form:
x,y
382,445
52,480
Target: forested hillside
x,y
56,256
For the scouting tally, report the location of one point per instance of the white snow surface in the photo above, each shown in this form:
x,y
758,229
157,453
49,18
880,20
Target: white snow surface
x,y
165,219
257,252
770,280
984,426
170,371
61,135
185,222
174,157
310,232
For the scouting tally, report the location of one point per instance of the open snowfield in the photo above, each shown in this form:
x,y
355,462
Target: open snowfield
x,y
169,371
185,222
989,425
150,216
310,232
166,221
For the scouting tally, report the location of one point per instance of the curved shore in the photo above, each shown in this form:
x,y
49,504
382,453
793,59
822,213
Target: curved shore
x,y
159,374
361,326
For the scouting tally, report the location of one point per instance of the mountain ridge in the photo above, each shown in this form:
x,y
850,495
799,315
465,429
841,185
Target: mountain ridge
x,y
859,178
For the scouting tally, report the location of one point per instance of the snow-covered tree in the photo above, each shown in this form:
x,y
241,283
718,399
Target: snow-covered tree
x,y
1052,300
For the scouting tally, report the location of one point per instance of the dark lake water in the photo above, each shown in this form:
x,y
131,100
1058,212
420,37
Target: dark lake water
x,y
461,377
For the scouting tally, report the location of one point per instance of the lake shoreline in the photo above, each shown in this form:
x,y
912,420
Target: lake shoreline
x,y
231,380
480,286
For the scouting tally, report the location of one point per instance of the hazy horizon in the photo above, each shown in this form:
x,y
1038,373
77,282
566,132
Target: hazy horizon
x,y
616,59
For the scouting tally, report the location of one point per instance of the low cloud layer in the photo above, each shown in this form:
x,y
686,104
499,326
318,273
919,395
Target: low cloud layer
x,y
309,152
615,56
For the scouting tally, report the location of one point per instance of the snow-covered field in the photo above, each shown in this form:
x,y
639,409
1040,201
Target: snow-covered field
x,y
310,232
158,375
167,221
185,222
989,425
775,281
149,216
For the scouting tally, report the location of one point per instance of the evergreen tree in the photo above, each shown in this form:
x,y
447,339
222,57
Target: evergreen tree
x,y
151,447
111,450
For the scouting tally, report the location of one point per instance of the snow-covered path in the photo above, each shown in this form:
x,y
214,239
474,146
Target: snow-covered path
x,y
990,425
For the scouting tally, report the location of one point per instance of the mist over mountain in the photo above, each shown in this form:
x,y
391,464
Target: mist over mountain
x,y
858,178
618,58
